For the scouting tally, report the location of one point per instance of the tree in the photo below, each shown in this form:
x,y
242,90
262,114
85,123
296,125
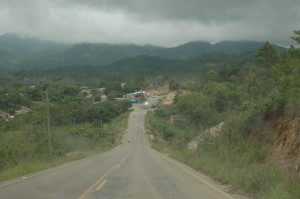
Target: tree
x,y
212,75
196,106
267,55
174,85
71,91
114,94
296,38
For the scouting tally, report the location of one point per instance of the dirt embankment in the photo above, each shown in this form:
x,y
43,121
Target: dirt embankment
x,y
286,144
208,133
159,90
279,132
169,99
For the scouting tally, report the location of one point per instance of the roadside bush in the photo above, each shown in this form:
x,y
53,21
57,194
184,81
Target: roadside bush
x,y
256,178
293,103
197,107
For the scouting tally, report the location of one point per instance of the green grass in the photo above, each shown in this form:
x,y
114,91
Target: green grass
x,y
116,127
28,167
259,180
230,160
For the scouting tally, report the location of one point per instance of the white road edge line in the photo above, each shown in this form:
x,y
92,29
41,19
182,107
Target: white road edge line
x,y
26,177
3,185
199,178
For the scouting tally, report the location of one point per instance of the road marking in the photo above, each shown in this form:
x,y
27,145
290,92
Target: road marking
x,y
199,178
3,185
25,177
101,185
97,182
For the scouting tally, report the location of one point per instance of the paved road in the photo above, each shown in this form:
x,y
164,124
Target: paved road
x,y
132,170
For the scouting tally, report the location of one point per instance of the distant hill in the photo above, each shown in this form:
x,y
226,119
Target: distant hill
x,y
28,53
239,47
14,50
25,45
140,67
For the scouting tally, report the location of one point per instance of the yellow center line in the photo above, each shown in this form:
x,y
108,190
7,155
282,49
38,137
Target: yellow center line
x,y
96,183
101,185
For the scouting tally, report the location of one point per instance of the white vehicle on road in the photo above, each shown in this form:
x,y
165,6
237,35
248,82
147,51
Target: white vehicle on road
x,y
146,105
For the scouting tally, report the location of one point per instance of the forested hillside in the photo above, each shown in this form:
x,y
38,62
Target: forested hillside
x,y
141,70
21,53
256,106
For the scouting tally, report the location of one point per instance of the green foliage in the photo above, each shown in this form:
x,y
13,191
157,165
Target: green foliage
x,y
25,137
71,91
256,178
228,158
11,101
114,94
213,75
296,38
197,107
174,85
247,99
266,56
35,94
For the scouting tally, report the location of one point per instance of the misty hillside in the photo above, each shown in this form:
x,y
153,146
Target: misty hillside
x,y
140,67
25,46
18,53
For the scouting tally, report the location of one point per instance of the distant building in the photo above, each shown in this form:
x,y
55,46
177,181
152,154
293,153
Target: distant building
x,y
123,84
134,101
103,98
101,90
22,110
88,96
120,99
4,115
139,95
85,91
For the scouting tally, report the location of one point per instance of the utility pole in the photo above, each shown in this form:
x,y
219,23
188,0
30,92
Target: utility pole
x,y
101,128
48,126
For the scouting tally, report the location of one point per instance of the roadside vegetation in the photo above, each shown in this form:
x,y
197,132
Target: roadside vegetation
x,y
247,98
79,126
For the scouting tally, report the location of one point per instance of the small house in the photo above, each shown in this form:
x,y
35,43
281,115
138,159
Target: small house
x,y
134,101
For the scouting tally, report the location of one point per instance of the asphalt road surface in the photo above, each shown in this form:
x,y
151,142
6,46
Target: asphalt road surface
x,y
132,170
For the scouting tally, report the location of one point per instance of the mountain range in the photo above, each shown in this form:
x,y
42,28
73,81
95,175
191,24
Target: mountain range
x,y
18,53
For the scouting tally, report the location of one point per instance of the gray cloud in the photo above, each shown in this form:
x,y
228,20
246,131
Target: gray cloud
x,y
158,22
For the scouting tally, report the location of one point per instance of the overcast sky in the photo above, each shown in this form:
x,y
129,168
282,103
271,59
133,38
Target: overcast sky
x,y
156,22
